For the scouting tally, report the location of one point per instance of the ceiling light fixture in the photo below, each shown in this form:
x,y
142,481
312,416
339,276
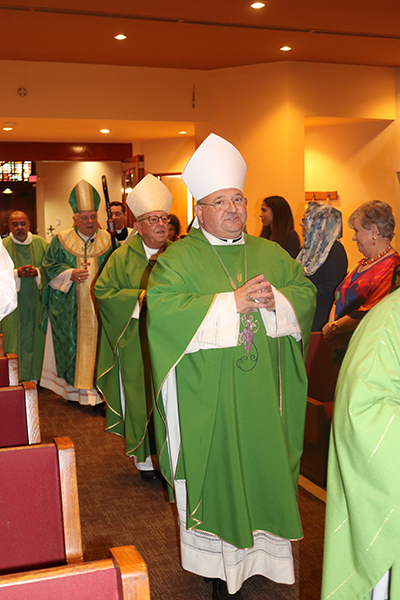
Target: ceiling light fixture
x,y
285,48
104,131
120,36
257,5
7,191
7,128
182,132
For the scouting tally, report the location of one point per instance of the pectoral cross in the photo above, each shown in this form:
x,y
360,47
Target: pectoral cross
x,y
86,264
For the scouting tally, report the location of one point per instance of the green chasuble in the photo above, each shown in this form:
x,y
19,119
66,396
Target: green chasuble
x,y
21,331
362,531
241,415
123,346
73,314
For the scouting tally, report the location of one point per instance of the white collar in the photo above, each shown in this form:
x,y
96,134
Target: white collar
x,y
149,251
26,242
216,241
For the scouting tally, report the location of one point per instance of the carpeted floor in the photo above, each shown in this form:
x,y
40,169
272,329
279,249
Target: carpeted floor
x,y
118,508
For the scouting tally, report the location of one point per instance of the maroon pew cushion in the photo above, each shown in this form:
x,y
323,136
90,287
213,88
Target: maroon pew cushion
x,y
13,426
80,586
31,531
4,379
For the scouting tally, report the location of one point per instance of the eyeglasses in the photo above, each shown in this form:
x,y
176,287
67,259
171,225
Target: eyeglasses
x,y
223,203
153,220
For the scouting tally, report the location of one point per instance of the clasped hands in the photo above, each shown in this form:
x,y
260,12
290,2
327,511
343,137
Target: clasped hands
x,y
254,294
27,271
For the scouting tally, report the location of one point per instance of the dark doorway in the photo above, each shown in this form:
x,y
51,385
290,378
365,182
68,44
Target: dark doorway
x,y
23,198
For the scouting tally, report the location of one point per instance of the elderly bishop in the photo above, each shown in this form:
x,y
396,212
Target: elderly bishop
x,y
69,269
123,373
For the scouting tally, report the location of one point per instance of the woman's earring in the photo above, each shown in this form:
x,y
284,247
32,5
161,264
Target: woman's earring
x,y
374,240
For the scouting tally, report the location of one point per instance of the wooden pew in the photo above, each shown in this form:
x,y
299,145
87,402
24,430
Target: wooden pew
x,y
8,366
39,509
122,577
19,415
322,374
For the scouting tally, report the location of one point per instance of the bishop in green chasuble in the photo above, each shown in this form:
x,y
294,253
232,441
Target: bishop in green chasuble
x,y
362,530
21,331
123,370
229,318
69,271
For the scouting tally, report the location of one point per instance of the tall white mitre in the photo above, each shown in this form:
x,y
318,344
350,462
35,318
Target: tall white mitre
x,y
149,195
215,165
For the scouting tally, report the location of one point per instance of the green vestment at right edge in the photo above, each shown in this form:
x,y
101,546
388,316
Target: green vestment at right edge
x,y
362,532
123,349
241,415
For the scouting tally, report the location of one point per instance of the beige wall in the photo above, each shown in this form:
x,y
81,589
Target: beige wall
x,y
63,90
259,108
356,160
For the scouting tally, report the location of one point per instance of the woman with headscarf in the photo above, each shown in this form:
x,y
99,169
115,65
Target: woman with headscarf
x,y
323,257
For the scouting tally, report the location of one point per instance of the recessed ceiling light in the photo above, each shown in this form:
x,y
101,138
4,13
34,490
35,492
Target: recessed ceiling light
x,y
182,132
7,128
258,5
7,191
120,36
285,48
104,131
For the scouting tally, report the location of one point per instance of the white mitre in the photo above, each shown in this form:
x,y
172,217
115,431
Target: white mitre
x,y
216,165
149,195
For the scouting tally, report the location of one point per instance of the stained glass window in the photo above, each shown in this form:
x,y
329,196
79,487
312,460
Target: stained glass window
x,y
19,170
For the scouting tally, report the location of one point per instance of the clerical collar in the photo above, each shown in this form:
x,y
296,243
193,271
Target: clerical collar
x,y
216,241
26,242
149,251
85,238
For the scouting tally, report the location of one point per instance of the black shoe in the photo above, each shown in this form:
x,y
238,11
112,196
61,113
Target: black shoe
x,y
100,409
220,591
149,475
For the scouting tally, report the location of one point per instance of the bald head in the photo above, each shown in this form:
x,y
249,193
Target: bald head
x,y
18,224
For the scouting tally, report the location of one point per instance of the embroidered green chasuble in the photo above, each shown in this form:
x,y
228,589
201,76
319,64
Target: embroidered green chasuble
x,y
362,531
20,329
123,346
73,314
241,415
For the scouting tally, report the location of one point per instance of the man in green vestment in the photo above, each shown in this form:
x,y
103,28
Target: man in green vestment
x,y
69,270
229,319
21,331
123,370
362,530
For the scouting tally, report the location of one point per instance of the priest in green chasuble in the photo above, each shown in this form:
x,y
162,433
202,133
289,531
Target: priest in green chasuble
x,y
229,318
21,331
69,270
362,528
123,371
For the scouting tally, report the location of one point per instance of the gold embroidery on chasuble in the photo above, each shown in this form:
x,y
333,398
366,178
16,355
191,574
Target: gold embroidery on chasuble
x,y
87,311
